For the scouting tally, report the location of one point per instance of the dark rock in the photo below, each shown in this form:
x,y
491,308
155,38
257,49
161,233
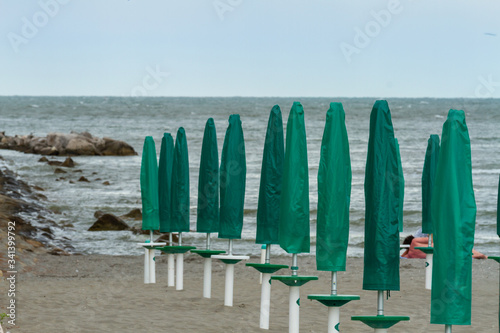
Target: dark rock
x,y
83,179
109,222
97,179
71,182
57,163
43,159
106,183
58,252
38,188
59,170
134,214
77,170
68,163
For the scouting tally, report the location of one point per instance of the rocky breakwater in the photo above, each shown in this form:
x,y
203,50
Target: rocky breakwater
x,y
21,207
62,144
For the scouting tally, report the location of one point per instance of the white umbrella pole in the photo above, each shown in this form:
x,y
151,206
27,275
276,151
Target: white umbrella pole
x,y
171,264
428,270
207,277
179,283
380,310
228,296
447,328
146,265
333,319
152,266
294,309
265,301
207,272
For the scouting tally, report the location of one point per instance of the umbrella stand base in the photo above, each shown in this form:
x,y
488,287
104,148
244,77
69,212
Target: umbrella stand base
x,y
230,261
429,254
207,269
294,282
265,296
175,249
333,302
380,323
149,261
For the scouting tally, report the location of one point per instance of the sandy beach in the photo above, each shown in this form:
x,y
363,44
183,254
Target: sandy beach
x,y
98,293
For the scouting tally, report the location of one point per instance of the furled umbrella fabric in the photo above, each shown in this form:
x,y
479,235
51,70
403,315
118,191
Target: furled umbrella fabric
x,y
232,180
401,188
498,209
428,180
165,181
268,210
454,214
381,253
149,186
334,193
180,184
208,185
294,204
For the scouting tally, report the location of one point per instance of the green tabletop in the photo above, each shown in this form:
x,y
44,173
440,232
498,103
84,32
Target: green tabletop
x,y
266,268
380,321
293,280
497,259
175,249
207,253
426,250
333,300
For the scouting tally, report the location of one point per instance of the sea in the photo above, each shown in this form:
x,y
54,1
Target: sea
x,y
131,119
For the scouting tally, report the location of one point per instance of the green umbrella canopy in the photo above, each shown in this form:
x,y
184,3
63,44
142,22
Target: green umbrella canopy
x,y
149,186
180,184
381,254
271,176
294,203
401,187
233,172
208,184
428,180
453,210
165,180
334,193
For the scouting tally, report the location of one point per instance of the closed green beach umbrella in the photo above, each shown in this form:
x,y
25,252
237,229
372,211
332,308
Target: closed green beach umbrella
x,y
381,253
208,184
149,186
233,172
454,214
271,176
294,204
165,181
180,184
334,193
498,208
401,187
428,180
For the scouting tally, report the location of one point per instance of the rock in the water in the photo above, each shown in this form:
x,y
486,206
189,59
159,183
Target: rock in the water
x,y
68,163
57,163
83,179
66,144
106,183
134,214
59,170
109,222
43,159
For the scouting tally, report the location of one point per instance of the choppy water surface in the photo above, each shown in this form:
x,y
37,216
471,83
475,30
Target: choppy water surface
x,y
131,119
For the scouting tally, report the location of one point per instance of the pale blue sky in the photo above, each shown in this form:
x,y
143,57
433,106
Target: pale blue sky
x,y
250,48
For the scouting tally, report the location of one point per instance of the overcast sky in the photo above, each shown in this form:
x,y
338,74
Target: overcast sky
x,y
419,48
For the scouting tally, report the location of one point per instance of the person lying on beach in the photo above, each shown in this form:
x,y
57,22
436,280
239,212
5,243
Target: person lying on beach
x,y
414,242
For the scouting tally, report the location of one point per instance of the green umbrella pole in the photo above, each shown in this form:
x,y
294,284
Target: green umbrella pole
x,y
447,328
430,240
179,267
230,249
171,263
